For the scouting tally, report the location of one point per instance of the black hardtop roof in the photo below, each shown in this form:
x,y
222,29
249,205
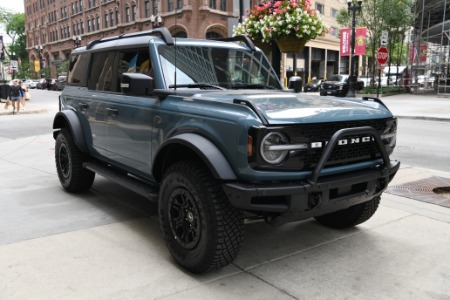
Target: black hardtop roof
x,y
164,34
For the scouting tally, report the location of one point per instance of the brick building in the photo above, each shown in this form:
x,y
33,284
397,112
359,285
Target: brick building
x,y
54,27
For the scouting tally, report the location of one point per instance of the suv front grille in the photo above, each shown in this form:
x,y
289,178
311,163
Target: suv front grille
x,y
304,160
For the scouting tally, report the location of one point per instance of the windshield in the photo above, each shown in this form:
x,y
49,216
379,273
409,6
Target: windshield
x,y
220,67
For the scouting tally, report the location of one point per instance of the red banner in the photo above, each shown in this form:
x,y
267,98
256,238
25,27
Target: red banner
x,y
360,41
345,41
414,52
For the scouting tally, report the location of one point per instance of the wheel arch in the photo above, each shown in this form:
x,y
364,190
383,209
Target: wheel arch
x,y
69,119
192,146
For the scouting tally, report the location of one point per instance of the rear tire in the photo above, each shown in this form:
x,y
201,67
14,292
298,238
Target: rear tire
x,y
69,164
351,216
201,229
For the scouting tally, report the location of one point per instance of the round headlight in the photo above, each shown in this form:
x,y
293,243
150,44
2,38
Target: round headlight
x,y
270,150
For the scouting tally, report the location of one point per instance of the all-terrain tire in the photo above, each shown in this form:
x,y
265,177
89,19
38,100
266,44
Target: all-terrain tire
x,y
69,164
202,230
351,216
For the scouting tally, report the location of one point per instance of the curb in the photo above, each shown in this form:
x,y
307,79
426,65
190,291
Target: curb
x,y
423,118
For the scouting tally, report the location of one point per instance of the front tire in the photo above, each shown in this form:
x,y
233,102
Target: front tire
x,y
69,164
351,216
201,229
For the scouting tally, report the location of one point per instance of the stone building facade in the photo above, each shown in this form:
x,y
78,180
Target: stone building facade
x,y
55,27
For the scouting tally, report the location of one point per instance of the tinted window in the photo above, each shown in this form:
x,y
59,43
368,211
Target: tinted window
x,y
77,68
101,75
137,61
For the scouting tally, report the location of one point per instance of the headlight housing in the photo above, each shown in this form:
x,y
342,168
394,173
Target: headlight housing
x,y
272,147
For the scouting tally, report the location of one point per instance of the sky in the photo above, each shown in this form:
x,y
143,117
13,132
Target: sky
x,y
14,6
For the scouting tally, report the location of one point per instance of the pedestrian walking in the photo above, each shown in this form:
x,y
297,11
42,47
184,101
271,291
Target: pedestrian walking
x,y
23,93
15,96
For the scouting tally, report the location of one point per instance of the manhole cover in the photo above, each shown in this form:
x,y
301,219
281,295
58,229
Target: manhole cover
x,y
434,190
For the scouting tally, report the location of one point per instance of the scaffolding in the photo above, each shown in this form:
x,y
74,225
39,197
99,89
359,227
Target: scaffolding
x,y
429,46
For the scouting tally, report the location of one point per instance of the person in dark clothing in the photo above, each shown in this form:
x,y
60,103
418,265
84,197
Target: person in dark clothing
x,y
14,96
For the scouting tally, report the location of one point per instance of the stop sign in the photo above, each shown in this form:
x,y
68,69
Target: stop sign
x,y
382,55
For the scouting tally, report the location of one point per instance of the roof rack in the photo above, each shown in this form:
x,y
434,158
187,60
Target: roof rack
x,y
239,38
163,32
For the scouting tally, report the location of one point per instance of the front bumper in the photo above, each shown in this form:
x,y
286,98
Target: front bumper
x,y
299,200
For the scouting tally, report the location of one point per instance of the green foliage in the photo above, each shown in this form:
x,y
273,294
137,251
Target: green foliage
x,y
394,16
383,90
63,68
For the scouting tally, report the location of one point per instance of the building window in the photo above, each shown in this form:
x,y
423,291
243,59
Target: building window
x,y
111,16
223,5
212,4
106,20
170,5
179,4
88,25
334,31
155,7
334,13
82,27
117,17
127,14
147,9
133,12
74,29
320,8
213,35
98,22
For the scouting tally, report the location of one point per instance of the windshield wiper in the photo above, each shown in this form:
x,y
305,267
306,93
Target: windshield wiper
x,y
196,85
241,85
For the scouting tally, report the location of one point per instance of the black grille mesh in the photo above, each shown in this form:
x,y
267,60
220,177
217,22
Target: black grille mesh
x,y
309,133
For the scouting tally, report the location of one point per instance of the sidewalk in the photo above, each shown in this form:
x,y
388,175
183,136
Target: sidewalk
x,y
424,107
30,108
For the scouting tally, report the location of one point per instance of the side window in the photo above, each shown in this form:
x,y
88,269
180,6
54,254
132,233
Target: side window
x,y
101,73
78,69
137,61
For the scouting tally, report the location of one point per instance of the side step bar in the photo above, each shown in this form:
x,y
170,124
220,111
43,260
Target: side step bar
x,y
131,183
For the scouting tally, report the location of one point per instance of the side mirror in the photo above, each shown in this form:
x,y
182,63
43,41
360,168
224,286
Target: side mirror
x,y
136,84
295,83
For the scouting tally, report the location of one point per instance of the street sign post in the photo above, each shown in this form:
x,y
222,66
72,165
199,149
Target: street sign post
x,y
384,38
382,55
14,65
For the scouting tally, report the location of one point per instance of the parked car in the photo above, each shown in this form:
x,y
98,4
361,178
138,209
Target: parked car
x,y
211,149
41,84
51,84
31,83
61,83
365,80
313,85
337,85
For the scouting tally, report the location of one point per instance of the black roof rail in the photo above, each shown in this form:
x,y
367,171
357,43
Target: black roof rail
x,y
239,38
163,32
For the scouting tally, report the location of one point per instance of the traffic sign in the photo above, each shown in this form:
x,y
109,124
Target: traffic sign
x,y
384,38
382,55
14,65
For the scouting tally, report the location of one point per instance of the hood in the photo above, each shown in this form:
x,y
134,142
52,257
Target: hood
x,y
291,108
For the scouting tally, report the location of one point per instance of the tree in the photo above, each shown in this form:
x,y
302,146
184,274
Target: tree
x,y
394,16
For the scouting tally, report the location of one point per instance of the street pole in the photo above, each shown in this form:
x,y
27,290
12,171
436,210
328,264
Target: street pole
x,y
353,8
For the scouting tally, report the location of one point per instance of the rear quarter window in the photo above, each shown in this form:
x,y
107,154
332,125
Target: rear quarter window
x,y
78,65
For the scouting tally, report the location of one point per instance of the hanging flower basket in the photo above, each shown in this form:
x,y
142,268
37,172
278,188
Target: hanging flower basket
x,y
265,47
291,45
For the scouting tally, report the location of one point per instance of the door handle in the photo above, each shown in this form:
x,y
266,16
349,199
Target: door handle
x,y
112,111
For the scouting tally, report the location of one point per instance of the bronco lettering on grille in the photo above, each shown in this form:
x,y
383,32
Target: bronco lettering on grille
x,y
343,142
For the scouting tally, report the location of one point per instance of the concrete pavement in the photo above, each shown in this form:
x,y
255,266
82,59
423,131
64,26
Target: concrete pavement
x,y
106,243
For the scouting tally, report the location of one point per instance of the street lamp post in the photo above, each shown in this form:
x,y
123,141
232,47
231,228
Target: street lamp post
x,y
13,57
39,51
76,41
157,21
353,8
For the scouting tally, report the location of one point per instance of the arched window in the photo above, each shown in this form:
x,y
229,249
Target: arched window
x,y
106,20
180,34
127,14
212,35
133,12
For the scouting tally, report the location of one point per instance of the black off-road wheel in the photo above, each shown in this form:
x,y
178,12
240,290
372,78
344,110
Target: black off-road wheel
x,y
351,216
202,230
69,164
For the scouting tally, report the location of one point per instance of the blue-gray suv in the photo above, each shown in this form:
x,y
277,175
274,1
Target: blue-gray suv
x,y
205,129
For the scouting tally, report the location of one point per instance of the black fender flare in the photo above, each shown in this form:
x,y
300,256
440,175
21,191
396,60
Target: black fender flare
x,y
203,148
70,118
